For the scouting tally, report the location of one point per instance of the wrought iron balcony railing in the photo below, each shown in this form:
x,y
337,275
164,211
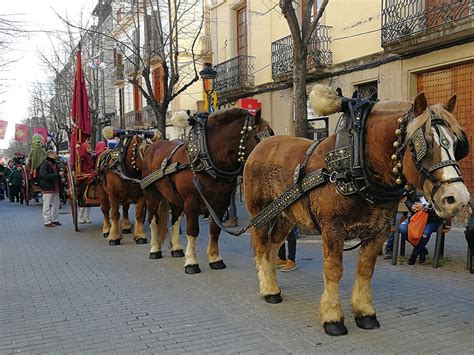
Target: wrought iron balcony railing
x,y
131,65
319,53
206,45
148,116
234,74
133,118
118,74
403,18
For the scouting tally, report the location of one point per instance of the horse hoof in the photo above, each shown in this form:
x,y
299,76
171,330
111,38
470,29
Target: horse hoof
x,y
127,231
114,242
177,253
367,322
192,269
141,241
217,265
273,299
106,235
335,328
156,255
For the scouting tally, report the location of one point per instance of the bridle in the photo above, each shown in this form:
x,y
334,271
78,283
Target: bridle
x,y
198,151
419,149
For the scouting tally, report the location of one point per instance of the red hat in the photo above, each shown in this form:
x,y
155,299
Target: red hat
x,y
100,147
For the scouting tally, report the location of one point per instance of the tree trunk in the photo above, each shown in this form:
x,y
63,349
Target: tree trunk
x,y
299,95
160,120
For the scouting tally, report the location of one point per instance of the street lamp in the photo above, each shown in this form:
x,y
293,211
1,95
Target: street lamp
x,y
208,74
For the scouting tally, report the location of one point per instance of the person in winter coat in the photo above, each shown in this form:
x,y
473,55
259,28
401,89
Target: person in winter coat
x,y
50,177
14,182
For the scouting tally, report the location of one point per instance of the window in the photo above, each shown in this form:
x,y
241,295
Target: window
x,y
366,90
242,31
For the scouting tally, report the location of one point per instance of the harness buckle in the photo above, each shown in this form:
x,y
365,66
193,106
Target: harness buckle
x,y
332,177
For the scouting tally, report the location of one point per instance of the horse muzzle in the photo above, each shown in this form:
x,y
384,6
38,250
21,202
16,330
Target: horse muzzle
x,y
451,199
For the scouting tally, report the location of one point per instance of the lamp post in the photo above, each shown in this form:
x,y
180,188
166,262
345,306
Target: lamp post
x,y
208,74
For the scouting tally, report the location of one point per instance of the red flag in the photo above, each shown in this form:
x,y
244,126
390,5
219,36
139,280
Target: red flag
x,y
80,115
3,129
43,132
21,132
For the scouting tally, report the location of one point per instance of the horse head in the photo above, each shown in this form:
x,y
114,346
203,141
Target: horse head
x,y
437,142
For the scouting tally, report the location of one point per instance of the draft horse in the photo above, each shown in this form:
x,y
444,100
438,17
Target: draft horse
x,y
119,184
210,161
400,146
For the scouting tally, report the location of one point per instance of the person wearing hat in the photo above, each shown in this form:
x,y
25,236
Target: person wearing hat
x,y
50,177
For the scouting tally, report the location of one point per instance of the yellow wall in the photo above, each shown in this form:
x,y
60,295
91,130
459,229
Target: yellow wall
x,y
355,28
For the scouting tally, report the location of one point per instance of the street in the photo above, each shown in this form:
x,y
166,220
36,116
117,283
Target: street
x,y
62,291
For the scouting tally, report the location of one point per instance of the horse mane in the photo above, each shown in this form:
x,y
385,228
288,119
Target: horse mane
x,y
227,116
425,119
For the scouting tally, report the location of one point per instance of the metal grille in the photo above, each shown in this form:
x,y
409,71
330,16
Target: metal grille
x,y
439,86
402,18
366,90
234,74
318,51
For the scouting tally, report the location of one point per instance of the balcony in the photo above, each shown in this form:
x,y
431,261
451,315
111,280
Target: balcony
x,y
148,116
418,24
235,74
319,54
133,119
205,45
118,75
131,65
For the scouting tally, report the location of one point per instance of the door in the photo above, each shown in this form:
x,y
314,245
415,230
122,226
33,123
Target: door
x,y
439,86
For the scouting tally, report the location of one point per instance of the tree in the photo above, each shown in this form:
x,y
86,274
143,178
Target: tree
x,y
159,39
301,35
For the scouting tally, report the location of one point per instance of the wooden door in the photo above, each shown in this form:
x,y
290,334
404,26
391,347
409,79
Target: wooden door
x,y
439,86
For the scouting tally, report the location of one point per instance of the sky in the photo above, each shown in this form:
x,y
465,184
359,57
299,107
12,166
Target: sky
x,y
36,16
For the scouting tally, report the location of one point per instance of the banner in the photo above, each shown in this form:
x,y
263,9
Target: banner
x,y
3,129
42,132
21,132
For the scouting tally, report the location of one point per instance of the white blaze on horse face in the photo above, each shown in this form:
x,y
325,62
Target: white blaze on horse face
x,y
448,172
450,198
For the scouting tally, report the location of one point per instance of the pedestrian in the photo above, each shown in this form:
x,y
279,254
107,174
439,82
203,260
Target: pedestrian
x,y
50,177
6,177
87,168
2,171
288,262
416,202
15,181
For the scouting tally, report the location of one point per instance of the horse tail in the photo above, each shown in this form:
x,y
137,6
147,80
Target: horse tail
x,y
324,100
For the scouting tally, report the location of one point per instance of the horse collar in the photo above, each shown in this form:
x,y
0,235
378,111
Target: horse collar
x,y
198,151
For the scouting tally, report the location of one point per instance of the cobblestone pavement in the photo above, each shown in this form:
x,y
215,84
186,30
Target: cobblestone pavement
x,y
62,291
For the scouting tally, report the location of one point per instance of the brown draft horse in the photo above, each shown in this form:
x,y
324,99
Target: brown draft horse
x,y
227,150
123,188
349,217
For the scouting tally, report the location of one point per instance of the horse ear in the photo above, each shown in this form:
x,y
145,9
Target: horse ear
x,y
420,104
339,92
451,105
355,94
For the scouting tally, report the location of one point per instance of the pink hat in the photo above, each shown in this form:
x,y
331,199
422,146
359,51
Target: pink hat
x,y
100,147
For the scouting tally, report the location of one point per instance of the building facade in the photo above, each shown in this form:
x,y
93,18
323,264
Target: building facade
x,y
395,48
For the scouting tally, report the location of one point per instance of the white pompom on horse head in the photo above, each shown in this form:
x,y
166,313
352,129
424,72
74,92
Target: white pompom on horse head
x,y
108,132
324,100
156,135
180,119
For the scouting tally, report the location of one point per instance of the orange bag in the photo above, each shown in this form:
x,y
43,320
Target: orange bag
x,y
416,226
